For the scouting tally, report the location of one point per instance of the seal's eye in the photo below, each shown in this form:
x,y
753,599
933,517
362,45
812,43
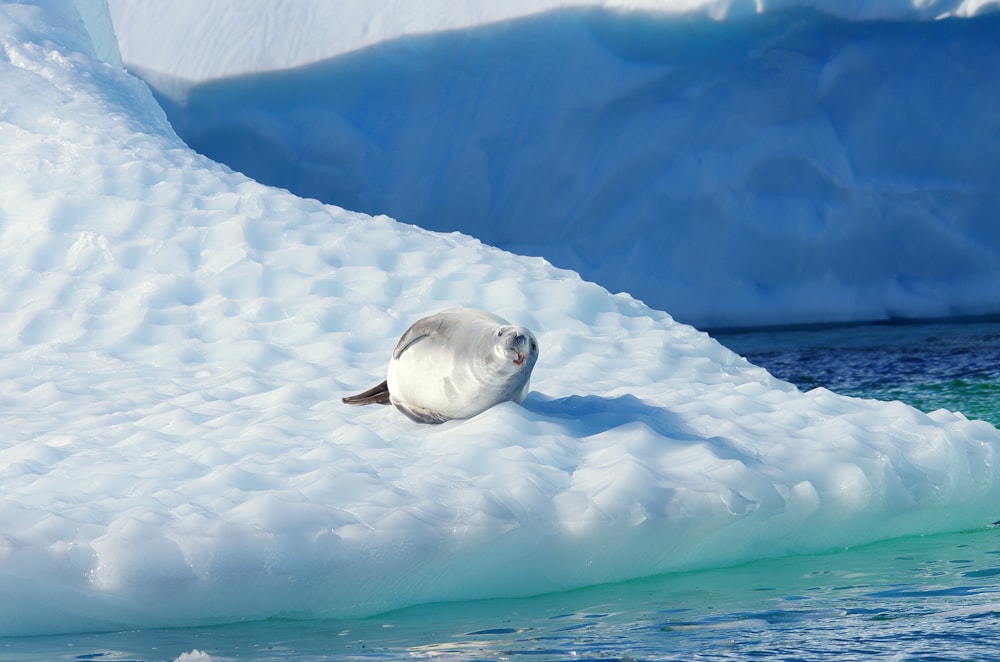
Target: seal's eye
x,y
534,346
499,332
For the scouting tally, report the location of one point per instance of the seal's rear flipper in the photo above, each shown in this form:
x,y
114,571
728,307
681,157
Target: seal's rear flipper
x,y
375,395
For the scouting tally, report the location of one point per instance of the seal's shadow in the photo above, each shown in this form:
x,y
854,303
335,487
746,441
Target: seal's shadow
x,y
594,414
588,415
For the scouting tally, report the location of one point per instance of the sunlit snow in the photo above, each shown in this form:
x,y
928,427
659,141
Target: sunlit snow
x,y
175,339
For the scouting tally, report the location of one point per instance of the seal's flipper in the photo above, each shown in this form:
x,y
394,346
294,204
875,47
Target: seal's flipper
x,y
421,415
378,395
419,330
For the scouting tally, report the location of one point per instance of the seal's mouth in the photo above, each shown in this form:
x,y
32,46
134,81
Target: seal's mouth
x,y
522,347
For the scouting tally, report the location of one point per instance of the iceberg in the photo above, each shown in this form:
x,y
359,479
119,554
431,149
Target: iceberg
x,y
784,162
176,338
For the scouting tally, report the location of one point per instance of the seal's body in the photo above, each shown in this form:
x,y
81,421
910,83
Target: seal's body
x,y
456,364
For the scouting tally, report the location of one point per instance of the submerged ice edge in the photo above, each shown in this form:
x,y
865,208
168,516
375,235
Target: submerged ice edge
x,y
176,338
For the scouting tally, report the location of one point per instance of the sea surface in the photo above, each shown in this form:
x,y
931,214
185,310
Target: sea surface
x,y
922,598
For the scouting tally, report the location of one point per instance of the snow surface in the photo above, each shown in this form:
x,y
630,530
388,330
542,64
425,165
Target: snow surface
x,y
739,164
175,338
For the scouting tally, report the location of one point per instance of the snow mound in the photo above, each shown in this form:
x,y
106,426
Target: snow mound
x,y
175,338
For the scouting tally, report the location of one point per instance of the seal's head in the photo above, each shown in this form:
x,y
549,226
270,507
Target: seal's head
x,y
516,345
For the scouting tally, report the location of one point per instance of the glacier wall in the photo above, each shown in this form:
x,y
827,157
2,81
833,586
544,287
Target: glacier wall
x,y
786,167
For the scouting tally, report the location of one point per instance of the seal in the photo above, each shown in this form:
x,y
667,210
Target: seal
x,y
455,364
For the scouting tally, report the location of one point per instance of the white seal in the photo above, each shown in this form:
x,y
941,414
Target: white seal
x,y
455,364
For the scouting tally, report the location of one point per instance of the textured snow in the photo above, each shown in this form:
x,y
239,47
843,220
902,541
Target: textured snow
x,y
781,163
175,338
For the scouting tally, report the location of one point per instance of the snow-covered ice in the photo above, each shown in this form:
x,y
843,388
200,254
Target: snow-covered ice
x,y
175,338
783,162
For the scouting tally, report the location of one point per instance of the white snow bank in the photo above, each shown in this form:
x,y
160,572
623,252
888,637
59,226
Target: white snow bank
x,y
175,338
196,41
789,167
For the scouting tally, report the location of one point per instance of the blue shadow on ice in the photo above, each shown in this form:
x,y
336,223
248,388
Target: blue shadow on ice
x,y
594,414
588,415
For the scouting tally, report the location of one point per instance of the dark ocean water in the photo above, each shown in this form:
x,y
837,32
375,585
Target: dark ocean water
x,y
930,366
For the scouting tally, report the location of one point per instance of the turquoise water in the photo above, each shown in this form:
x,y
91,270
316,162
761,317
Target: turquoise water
x,y
927,598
